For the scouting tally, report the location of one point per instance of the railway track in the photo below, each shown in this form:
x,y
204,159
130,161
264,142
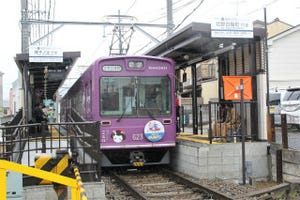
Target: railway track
x,y
163,184
166,184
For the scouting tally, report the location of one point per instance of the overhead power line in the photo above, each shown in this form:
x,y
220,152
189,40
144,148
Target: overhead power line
x,y
188,15
130,7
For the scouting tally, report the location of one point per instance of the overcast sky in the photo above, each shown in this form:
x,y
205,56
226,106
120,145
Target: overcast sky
x,y
94,41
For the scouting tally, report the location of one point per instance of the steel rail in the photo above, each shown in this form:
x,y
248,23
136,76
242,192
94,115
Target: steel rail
x,y
202,188
274,189
135,193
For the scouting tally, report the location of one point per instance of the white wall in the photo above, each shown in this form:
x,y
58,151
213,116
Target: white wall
x,y
284,62
219,160
17,95
210,90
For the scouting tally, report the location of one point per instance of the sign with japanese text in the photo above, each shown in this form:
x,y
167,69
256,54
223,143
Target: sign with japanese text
x,y
231,27
45,54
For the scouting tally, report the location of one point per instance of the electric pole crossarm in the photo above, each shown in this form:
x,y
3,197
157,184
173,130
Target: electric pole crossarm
x,y
45,36
147,34
91,23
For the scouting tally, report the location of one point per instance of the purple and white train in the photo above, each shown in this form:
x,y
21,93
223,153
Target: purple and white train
x,y
133,98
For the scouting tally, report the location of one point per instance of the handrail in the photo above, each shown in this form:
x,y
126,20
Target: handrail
x,y
6,165
79,182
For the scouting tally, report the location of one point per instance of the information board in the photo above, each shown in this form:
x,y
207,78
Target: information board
x,y
231,27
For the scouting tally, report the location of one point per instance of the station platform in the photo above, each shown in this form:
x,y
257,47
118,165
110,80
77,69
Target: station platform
x,y
193,137
198,138
195,156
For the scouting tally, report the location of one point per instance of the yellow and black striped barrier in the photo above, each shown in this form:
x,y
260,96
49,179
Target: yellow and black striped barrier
x,y
61,191
138,164
58,165
80,184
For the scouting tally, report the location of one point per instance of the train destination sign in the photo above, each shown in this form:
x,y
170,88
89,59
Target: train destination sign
x,y
112,68
231,27
45,54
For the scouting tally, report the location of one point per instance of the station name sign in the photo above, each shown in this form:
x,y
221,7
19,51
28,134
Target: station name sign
x,y
231,27
45,54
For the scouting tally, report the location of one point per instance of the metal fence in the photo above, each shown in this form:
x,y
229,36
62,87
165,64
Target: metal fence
x,y
186,118
22,143
285,134
209,118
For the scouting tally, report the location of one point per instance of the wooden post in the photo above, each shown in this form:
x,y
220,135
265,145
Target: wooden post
x,y
272,128
279,166
284,132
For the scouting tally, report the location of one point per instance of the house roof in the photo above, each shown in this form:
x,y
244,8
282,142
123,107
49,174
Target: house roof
x,y
277,20
283,34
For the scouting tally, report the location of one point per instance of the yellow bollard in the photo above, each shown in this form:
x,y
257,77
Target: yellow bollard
x,y
3,183
80,184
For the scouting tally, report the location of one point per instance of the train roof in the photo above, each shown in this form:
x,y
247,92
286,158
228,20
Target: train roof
x,y
133,56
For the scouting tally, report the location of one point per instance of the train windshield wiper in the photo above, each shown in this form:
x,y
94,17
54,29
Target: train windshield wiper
x,y
123,113
150,114
121,116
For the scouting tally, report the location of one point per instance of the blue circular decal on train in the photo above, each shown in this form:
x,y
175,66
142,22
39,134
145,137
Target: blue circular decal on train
x,y
154,131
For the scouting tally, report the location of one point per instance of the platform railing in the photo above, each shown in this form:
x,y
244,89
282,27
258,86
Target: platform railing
x,y
231,131
21,143
209,114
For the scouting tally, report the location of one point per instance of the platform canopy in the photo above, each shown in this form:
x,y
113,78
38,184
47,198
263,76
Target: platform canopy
x,y
194,43
46,77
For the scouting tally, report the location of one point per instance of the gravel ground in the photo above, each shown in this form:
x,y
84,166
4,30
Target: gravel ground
x,y
230,188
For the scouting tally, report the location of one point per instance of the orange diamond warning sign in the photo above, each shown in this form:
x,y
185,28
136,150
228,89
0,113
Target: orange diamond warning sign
x,y
232,87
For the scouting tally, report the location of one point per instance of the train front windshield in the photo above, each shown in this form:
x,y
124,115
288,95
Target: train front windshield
x,y
124,97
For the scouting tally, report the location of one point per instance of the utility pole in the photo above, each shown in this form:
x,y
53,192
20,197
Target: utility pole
x,y
25,27
266,57
25,36
33,10
170,24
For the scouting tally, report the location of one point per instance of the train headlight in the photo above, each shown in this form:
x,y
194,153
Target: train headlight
x,y
135,64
